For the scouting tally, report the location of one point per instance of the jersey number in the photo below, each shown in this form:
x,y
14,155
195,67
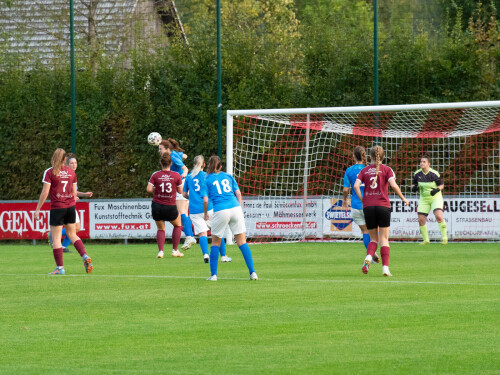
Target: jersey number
x,y
371,182
166,187
197,186
64,187
225,186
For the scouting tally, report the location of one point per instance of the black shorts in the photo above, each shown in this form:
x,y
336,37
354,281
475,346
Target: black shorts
x,y
162,212
61,216
377,216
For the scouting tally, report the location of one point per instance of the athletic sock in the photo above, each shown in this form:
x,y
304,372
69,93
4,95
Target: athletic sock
x,y
160,239
80,248
176,237
204,244
222,249
442,228
247,255
424,232
186,224
371,248
366,240
58,256
214,259
385,252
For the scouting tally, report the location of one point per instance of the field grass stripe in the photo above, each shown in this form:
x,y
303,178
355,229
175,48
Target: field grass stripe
x,y
392,281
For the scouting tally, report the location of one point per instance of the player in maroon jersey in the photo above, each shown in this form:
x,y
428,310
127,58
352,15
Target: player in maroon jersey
x,y
165,185
60,182
376,206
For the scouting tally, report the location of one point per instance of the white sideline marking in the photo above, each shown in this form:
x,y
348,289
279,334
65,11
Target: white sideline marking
x,y
361,280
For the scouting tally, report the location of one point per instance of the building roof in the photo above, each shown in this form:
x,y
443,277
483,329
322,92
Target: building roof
x,y
39,29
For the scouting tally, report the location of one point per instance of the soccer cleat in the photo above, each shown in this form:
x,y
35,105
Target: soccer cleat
x,y
190,241
386,272
212,278
253,276
87,262
445,241
58,271
376,258
66,250
225,259
177,253
160,254
366,264
424,243
49,238
206,258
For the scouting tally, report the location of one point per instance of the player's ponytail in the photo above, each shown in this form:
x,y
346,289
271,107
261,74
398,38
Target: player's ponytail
x,y
165,160
197,165
175,145
376,155
214,164
360,154
57,160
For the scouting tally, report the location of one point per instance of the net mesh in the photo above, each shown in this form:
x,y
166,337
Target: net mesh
x,y
290,169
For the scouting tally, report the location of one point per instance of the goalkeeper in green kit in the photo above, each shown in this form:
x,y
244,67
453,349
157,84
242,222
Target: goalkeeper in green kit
x,y
429,184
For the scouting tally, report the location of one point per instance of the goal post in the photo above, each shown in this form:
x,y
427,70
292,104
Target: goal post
x,y
290,164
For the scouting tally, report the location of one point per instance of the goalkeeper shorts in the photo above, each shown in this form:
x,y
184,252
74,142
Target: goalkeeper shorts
x,y
425,205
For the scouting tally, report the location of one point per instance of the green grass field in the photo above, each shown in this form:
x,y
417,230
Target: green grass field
x,y
312,311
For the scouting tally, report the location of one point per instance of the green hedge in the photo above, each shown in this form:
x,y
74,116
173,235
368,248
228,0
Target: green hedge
x,y
271,58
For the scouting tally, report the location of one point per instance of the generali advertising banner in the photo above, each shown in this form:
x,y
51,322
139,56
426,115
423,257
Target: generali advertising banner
x,y
467,218
17,220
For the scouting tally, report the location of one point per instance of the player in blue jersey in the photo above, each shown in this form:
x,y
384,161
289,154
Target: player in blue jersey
x,y
350,176
226,197
176,154
195,190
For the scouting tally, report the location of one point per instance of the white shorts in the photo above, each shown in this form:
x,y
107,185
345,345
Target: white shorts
x,y
180,197
199,223
358,216
77,218
232,217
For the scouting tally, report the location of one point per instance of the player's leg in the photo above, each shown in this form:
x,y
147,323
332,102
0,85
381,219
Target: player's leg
x,y
385,250
79,246
160,237
176,236
219,223
200,229
372,228
423,210
55,231
182,206
237,226
437,208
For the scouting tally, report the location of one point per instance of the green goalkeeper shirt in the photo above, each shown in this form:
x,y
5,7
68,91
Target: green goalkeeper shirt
x,y
426,182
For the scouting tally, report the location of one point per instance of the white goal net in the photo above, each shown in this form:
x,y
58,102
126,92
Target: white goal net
x,y
290,166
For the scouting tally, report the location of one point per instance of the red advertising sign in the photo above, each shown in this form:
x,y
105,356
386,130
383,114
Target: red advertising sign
x,y
17,220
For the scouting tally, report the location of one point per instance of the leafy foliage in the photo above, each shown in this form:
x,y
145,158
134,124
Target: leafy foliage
x,y
276,53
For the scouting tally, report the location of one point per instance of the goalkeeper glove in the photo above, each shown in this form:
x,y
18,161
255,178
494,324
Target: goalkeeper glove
x,y
414,188
435,191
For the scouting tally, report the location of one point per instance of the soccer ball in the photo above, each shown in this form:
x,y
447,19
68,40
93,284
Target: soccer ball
x,y
154,139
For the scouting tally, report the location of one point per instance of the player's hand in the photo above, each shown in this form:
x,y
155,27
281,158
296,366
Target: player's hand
x,y
406,202
206,217
344,204
89,194
414,188
435,191
37,215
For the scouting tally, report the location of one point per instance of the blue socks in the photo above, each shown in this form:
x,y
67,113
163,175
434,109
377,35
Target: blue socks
x,y
222,249
186,225
204,244
214,259
366,239
247,255
66,242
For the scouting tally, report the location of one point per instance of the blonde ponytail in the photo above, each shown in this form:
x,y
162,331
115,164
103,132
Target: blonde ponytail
x,y
197,165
